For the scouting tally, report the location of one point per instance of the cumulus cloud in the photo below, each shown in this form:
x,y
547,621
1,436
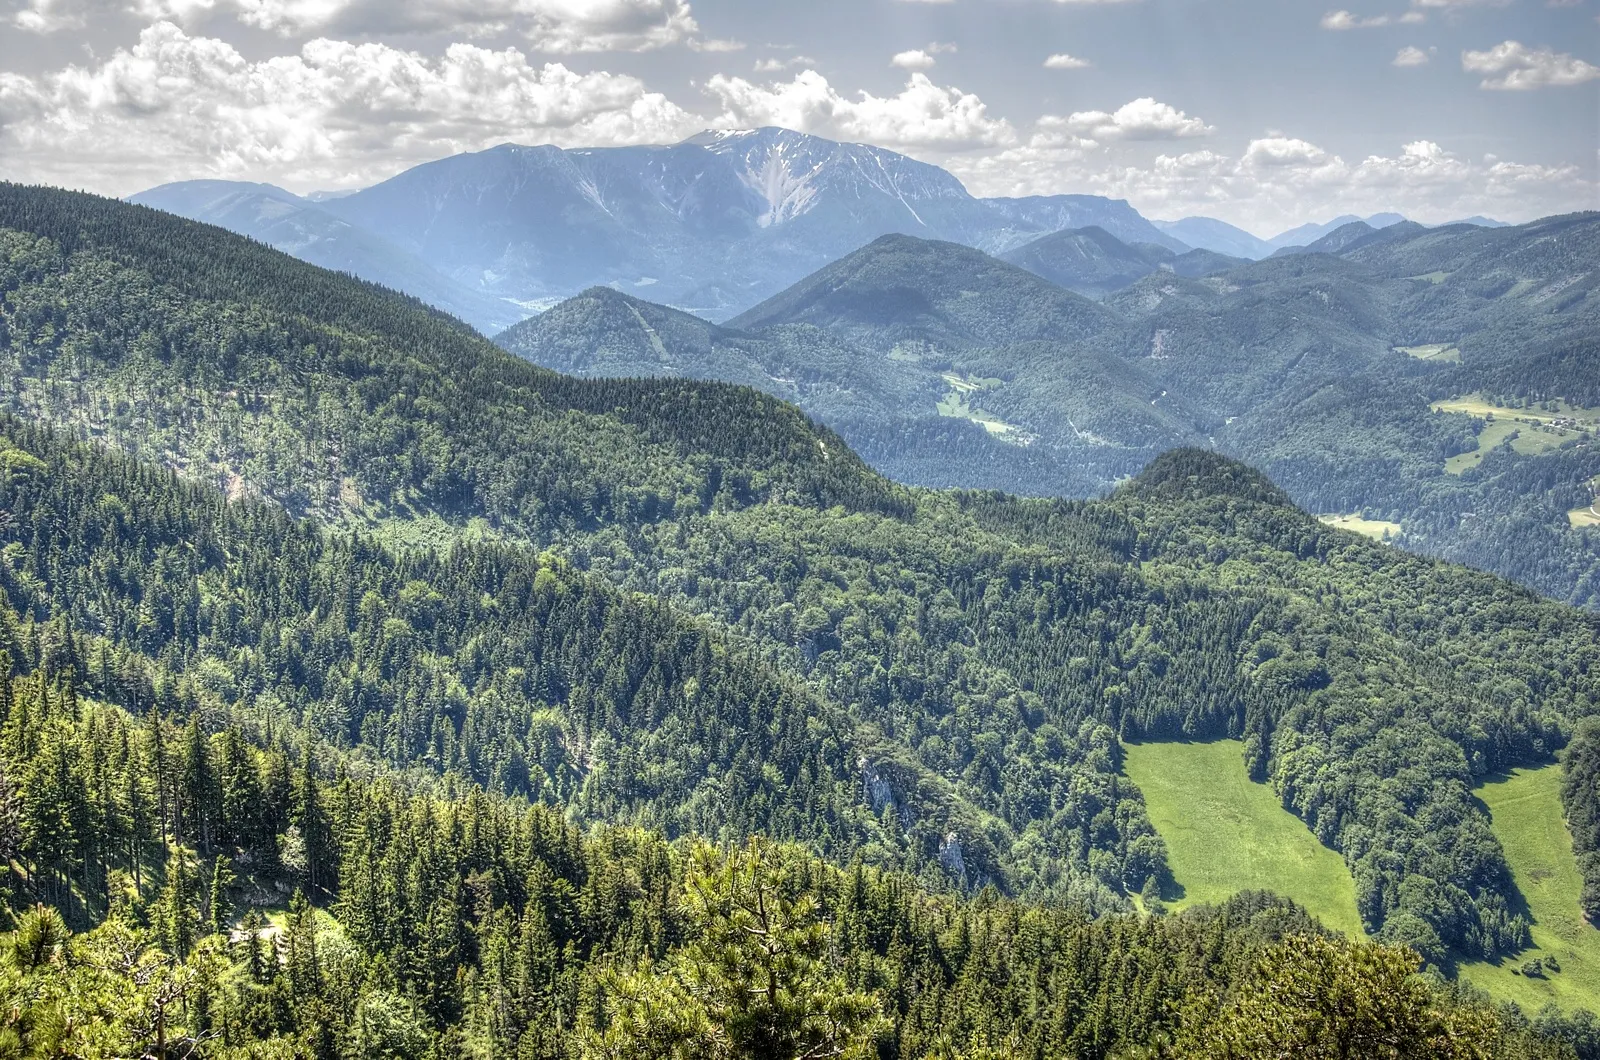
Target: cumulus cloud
x,y
559,26
916,59
330,113
333,114
1142,119
1410,56
1513,66
1063,61
1288,153
923,115
1278,181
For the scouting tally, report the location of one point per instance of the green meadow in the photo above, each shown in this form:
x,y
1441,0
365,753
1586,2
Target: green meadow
x,y
1377,529
1226,833
1525,810
1531,431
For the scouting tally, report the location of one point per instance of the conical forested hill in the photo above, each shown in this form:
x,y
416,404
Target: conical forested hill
x,y
1090,261
1035,364
903,289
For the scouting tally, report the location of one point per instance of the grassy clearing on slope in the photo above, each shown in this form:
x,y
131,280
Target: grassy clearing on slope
x,y
956,404
1525,810
1438,351
1377,529
1532,431
1226,834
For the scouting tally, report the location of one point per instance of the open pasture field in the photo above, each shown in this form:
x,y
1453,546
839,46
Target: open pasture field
x,y
1531,431
1525,809
1377,529
1226,833
958,403
1438,351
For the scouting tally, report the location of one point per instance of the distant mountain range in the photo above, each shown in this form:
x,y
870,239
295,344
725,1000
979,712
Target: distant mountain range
x,y
713,225
1307,234
1208,233
1211,234
1093,262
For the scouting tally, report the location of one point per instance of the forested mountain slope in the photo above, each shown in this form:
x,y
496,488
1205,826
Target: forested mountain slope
x,y
1025,357
1437,380
918,414
456,924
981,653
207,707
331,395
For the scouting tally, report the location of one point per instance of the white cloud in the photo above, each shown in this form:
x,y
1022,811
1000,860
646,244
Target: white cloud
x,y
1344,20
558,26
1289,153
1142,119
1514,66
1410,56
335,114
706,44
916,59
47,16
1063,61
551,25
1279,181
924,115
775,65
172,10
922,58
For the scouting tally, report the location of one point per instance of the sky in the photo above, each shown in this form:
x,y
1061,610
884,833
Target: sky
x,y
1264,113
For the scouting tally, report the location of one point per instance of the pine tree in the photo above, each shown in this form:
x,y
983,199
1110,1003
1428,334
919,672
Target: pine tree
x,y
178,914
311,820
197,787
217,906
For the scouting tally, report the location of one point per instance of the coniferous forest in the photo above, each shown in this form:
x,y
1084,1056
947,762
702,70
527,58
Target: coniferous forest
x,y
370,692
